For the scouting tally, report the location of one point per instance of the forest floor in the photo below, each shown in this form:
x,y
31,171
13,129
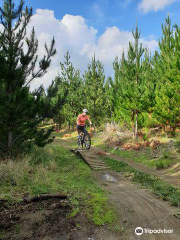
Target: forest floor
x,y
47,220
135,206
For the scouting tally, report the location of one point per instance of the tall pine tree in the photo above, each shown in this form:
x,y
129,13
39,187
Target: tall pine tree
x,y
132,88
167,69
94,91
19,108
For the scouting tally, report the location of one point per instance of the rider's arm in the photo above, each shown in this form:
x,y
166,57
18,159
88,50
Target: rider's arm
x,y
89,121
77,119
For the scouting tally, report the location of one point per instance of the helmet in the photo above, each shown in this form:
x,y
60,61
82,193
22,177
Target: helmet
x,y
85,110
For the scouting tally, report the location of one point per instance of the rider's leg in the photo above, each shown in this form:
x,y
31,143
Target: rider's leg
x,y
79,131
83,131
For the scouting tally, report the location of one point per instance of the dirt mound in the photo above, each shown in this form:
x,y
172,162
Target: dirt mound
x,y
47,219
36,220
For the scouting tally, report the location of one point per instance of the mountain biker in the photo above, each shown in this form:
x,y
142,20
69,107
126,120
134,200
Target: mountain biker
x,y
81,120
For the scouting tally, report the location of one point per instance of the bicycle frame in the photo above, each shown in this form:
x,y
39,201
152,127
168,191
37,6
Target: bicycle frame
x,y
81,139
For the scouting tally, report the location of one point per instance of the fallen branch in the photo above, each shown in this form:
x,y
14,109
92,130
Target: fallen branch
x,y
45,197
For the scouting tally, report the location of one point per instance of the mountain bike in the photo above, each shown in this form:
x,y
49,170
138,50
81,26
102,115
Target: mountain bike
x,y
84,139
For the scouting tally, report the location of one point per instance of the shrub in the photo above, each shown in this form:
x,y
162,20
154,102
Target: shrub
x,y
113,132
163,163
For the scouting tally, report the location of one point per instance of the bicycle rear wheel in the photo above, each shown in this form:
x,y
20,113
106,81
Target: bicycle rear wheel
x,y
87,141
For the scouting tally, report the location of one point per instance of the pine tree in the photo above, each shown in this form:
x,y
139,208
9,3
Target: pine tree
x,y
55,100
132,87
148,75
19,106
95,96
74,99
108,90
65,94
116,94
167,69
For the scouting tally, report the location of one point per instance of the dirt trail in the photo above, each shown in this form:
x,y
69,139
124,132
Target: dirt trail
x,y
167,175
139,208
170,175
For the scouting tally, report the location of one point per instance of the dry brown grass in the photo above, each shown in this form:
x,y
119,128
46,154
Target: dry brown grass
x,y
13,171
21,176
113,133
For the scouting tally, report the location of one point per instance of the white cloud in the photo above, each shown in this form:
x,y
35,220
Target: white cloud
x,y
97,10
126,3
73,34
109,44
154,5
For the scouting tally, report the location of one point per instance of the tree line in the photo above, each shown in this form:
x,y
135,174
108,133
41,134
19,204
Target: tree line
x,y
144,91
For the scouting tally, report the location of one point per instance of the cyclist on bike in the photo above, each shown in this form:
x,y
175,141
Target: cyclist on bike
x,y
81,120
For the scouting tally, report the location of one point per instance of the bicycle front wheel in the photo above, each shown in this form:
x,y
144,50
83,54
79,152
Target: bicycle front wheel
x,y
87,141
80,143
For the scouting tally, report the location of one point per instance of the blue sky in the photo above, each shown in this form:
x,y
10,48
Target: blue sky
x,y
107,13
103,27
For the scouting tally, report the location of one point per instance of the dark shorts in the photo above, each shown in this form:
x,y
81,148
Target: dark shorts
x,y
80,128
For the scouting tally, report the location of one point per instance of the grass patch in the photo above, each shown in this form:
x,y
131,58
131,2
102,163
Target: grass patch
x,y
165,156
117,165
159,187
162,189
147,156
163,163
55,169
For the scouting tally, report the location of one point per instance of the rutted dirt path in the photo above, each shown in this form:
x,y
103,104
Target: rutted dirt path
x,y
167,175
138,208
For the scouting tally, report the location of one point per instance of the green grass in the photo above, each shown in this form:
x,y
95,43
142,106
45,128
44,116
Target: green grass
x,y
146,157
55,169
159,187
117,165
158,159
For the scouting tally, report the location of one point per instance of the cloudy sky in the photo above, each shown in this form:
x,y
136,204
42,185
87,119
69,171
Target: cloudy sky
x,y
101,26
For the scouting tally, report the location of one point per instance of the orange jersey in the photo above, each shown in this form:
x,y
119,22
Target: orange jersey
x,y
82,119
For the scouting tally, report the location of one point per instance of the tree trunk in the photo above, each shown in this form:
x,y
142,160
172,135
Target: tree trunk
x,y
136,125
10,132
69,125
10,138
132,120
94,103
